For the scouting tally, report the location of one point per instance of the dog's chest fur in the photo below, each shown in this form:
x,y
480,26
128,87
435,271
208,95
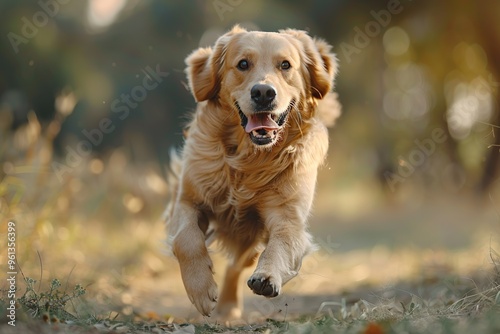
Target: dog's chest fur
x,y
230,180
230,186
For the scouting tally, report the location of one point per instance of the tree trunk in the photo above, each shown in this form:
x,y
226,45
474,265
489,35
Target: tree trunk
x,y
486,19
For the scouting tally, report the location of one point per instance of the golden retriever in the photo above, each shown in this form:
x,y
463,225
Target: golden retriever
x,y
246,175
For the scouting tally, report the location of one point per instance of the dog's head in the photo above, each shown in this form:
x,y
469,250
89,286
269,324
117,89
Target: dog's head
x,y
263,78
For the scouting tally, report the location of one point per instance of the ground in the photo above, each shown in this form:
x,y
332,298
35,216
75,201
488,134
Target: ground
x,y
420,262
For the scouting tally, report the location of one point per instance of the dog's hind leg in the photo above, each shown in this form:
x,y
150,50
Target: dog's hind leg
x,y
230,304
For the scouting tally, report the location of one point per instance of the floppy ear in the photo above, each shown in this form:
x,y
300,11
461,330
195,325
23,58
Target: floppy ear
x,y
201,75
320,62
204,66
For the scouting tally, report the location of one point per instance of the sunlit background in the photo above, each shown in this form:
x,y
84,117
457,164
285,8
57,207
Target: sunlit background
x,y
93,96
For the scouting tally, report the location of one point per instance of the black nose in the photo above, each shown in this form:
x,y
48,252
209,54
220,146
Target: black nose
x,y
263,94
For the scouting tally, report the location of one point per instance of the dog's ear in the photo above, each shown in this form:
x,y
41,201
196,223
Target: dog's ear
x,y
320,62
204,67
201,76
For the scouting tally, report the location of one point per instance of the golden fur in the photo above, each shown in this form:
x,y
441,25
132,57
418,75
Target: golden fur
x,y
253,197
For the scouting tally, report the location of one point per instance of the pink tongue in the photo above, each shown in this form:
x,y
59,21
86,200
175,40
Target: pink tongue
x,y
260,121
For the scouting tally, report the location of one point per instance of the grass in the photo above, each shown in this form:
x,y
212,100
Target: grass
x,y
93,244
477,311
50,305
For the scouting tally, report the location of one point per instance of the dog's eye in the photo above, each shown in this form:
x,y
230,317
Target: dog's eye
x,y
285,65
243,65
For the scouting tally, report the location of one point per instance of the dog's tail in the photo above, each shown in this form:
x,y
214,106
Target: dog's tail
x,y
329,109
173,178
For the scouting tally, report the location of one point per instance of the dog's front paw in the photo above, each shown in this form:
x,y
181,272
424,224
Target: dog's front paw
x,y
264,285
200,285
203,294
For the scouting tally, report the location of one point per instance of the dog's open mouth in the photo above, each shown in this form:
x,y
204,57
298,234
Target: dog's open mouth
x,y
264,127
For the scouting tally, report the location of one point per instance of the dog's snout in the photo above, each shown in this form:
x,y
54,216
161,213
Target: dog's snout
x,y
263,94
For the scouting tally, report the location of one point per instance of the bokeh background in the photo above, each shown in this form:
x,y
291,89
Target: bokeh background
x,y
93,96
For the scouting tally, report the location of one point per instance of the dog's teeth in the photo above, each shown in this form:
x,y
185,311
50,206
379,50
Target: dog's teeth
x,y
256,134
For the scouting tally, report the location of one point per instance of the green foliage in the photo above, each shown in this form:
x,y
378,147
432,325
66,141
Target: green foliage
x,y
51,304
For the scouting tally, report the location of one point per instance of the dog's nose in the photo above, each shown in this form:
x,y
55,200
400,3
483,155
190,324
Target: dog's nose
x,y
263,94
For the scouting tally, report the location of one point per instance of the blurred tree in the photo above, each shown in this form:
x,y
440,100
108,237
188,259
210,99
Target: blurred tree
x,y
102,64
486,16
